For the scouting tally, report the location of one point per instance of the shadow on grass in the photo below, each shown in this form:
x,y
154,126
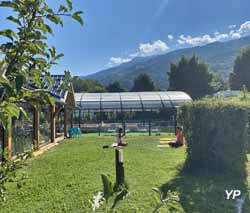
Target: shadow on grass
x,y
205,192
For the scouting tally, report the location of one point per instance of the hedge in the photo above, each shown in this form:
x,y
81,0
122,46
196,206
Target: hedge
x,y
217,134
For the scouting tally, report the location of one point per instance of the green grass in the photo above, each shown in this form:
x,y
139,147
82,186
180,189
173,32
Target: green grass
x,y
66,178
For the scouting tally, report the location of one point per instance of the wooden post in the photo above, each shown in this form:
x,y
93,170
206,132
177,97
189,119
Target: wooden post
x,y
119,166
65,121
53,123
8,140
36,129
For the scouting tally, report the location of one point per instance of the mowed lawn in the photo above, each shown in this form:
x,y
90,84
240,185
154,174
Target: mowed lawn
x,y
66,178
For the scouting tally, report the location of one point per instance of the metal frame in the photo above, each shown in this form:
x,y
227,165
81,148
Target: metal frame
x,y
163,97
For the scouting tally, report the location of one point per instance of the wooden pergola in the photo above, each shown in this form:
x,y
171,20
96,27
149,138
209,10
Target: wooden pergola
x,y
64,103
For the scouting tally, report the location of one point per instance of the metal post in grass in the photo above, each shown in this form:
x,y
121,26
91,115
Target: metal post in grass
x,y
175,120
79,118
124,125
99,129
119,166
149,128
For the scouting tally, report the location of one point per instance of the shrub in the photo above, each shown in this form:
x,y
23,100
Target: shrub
x,y
217,134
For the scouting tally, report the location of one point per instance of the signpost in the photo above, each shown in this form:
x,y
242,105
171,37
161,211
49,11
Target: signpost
x,y
119,166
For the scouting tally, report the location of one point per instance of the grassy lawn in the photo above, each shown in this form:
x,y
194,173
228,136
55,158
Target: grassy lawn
x,y
66,178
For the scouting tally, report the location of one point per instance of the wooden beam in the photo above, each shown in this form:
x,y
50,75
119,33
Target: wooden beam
x,y
57,110
65,121
36,129
8,140
53,123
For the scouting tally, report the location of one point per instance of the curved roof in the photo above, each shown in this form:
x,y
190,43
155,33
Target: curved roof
x,y
130,100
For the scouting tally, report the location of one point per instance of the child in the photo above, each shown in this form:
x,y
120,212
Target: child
x,y
180,140
121,135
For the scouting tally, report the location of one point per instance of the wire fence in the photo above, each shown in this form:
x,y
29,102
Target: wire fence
x,y
22,133
147,127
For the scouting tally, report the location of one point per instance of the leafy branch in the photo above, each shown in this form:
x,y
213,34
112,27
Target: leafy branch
x,y
26,54
170,200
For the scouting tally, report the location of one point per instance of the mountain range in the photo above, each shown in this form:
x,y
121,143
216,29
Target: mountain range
x,y
220,57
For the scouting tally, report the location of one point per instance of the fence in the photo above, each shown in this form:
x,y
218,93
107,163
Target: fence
x,y
133,126
23,133
45,126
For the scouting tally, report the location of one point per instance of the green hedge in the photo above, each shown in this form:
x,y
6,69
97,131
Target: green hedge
x,y
216,131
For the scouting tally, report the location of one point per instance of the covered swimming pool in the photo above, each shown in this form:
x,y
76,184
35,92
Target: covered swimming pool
x,y
134,111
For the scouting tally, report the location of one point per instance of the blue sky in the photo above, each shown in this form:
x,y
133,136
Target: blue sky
x,y
116,31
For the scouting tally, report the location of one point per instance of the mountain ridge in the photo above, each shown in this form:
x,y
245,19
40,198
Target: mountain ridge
x,y
219,56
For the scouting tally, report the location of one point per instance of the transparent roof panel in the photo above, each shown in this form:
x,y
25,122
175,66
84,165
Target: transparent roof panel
x,y
93,105
167,103
130,96
150,96
111,105
179,96
131,105
111,97
131,100
152,104
91,97
78,97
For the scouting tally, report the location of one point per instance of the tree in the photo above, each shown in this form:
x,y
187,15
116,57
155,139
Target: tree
x,y
241,72
26,53
86,85
218,83
115,87
143,83
191,76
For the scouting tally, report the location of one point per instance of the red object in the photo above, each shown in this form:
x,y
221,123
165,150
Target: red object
x,y
180,138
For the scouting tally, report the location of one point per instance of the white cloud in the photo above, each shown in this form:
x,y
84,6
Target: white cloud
x,y
234,35
195,41
153,48
217,33
170,37
222,37
144,49
232,26
158,46
244,28
114,61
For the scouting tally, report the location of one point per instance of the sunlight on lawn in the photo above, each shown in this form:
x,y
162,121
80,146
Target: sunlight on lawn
x,y
66,178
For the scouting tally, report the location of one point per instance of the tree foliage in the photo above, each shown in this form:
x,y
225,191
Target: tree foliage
x,y
26,53
115,87
191,76
143,83
82,85
218,83
241,72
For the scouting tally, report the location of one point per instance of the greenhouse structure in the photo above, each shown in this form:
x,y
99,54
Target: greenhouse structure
x,y
44,125
134,111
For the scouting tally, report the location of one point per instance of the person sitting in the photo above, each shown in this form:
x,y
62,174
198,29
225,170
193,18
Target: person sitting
x,y
120,139
180,140
121,135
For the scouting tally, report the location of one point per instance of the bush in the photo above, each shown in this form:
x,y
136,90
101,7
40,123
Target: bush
x,y
217,134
